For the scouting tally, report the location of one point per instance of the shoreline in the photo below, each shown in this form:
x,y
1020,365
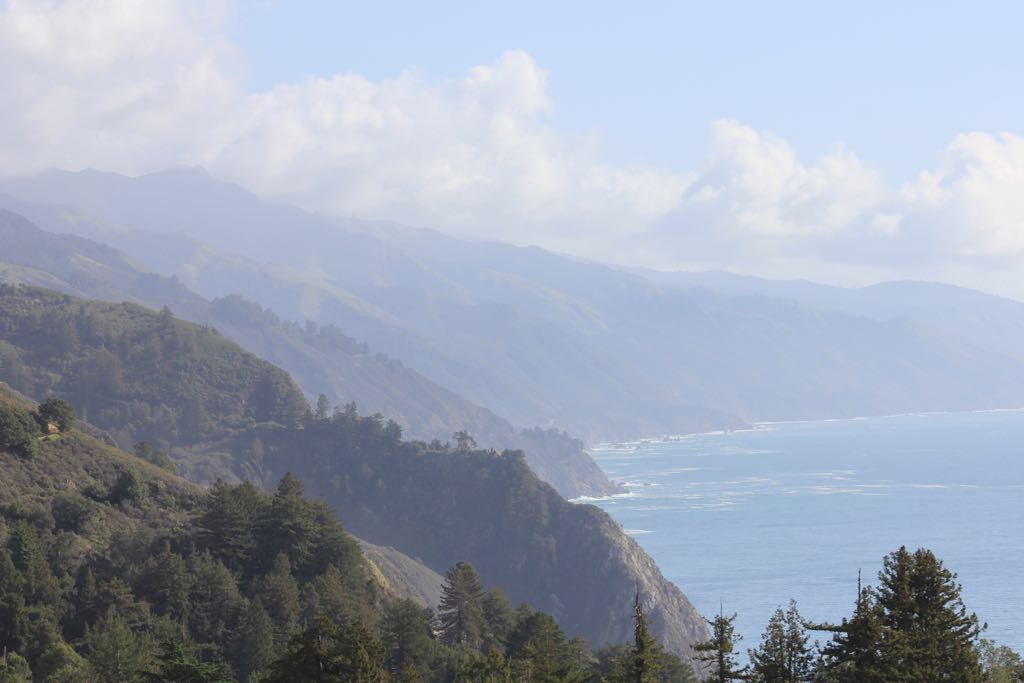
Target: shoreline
x,y
764,425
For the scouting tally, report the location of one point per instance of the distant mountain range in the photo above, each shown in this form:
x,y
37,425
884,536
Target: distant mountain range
x,y
544,339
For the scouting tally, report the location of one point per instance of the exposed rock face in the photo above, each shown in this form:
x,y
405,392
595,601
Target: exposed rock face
x,y
403,576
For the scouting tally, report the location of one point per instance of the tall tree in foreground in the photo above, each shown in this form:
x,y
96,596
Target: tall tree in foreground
x,y
647,654
783,655
928,633
461,613
719,653
854,655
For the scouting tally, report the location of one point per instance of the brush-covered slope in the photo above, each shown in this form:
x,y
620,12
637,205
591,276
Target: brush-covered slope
x,y
322,360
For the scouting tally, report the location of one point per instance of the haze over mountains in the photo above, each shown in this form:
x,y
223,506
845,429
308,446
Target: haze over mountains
x,y
543,339
321,359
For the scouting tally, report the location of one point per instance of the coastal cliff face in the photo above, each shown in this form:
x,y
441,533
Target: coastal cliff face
x,y
483,507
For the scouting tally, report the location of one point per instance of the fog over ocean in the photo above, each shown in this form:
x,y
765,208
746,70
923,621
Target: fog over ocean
x,y
794,509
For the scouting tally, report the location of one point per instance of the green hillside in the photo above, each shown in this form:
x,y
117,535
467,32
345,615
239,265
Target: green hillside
x,y
139,374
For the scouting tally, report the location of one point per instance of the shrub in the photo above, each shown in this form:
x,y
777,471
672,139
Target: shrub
x,y
71,510
18,431
131,487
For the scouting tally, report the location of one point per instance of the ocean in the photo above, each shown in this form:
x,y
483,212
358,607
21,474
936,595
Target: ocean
x,y
750,519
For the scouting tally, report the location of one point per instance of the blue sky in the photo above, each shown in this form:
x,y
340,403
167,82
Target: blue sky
x,y
893,81
843,142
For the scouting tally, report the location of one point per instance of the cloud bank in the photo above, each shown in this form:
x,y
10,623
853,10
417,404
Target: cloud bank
x,y
138,85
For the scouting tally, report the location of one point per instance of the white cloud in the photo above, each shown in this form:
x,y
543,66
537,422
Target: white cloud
x,y
134,86
755,206
117,84
138,85
471,154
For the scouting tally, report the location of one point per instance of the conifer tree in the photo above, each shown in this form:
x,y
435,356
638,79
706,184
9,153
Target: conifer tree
x,y
929,635
280,597
647,653
499,619
406,634
327,653
252,643
783,655
323,407
718,653
176,665
115,651
288,526
229,520
854,654
461,615
540,651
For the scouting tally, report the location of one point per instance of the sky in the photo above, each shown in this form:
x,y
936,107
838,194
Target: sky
x,y
841,142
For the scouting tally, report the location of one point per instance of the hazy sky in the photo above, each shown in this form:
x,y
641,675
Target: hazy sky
x,y
846,142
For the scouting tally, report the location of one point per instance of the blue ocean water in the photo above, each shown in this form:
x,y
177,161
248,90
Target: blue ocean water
x,y
792,510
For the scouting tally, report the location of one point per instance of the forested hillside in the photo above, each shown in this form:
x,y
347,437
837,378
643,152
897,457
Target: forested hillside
x,y
115,571
140,375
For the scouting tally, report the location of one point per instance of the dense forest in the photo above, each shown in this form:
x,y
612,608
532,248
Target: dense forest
x,y
139,375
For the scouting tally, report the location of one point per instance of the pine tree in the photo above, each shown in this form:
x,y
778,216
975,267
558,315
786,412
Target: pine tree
x,y
854,655
647,652
461,615
540,651
229,520
115,651
406,635
719,652
280,596
783,656
177,665
252,643
327,653
323,407
929,635
288,526
499,619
